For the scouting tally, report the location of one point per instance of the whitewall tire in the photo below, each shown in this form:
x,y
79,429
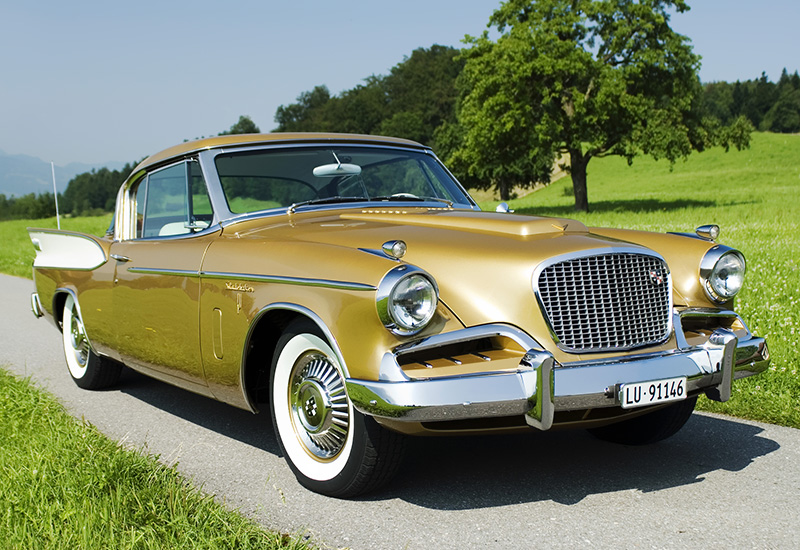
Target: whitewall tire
x,y
331,447
88,370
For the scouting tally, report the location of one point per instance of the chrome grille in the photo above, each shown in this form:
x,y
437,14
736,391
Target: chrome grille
x,y
615,301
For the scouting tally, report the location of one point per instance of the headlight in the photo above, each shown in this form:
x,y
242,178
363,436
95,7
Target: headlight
x,y
722,273
406,300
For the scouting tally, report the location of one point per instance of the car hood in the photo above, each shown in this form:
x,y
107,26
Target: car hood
x,y
483,262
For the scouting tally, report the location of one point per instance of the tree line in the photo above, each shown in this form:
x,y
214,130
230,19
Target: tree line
x,y
559,83
770,107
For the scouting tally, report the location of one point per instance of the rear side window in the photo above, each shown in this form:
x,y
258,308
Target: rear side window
x,y
172,201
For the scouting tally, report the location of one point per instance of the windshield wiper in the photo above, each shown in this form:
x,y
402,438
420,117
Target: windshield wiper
x,y
326,200
409,197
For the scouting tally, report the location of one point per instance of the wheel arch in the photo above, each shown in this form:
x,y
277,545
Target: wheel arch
x,y
262,337
59,301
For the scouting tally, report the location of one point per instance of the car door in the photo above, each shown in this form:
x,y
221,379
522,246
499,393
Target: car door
x,y
156,284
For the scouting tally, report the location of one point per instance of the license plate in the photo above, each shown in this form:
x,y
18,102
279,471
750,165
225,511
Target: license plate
x,y
642,394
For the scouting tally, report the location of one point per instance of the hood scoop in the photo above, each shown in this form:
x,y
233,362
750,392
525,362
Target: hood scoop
x,y
477,222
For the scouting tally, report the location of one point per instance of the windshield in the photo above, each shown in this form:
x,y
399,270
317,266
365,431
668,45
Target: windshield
x,y
273,178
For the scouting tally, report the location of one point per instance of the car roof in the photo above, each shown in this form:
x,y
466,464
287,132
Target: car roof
x,y
242,140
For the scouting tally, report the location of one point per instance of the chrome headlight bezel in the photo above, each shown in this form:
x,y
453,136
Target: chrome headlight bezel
x,y
716,267
389,304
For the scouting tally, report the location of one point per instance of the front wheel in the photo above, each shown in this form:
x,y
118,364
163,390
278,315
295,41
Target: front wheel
x,y
88,370
648,428
331,448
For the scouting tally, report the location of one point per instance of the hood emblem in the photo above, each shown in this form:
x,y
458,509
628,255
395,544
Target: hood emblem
x,y
656,277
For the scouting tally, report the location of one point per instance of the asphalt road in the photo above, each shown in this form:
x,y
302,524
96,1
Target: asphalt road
x,y
719,483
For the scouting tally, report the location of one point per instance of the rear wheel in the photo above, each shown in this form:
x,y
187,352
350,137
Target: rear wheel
x,y
648,428
331,447
88,370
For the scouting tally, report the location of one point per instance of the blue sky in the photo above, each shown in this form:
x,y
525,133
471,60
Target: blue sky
x,y
101,81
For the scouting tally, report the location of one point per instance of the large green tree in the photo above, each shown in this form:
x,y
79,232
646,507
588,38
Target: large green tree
x,y
579,79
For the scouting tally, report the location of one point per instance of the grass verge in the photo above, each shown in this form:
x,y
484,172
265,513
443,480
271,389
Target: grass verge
x,y
65,485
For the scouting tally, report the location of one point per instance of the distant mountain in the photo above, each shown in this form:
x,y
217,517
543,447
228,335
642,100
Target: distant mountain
x,y
23,174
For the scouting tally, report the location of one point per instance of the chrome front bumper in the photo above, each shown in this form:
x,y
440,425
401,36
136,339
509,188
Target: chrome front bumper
x,y
540,386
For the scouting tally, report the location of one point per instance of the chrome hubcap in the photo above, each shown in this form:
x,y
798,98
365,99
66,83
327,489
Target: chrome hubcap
x,y
318,404
80,344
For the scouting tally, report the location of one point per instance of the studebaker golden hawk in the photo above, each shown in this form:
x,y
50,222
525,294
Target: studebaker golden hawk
x,y
350,286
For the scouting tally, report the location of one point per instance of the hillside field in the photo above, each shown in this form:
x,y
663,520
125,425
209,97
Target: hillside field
x,y
753,195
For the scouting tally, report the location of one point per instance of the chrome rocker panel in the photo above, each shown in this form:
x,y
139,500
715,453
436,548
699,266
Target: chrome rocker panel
x,y
540,386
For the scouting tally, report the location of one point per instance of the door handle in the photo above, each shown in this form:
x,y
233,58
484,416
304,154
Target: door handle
x,y
120,258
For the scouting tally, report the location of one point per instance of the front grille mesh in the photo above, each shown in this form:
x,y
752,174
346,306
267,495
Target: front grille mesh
x,y
614,301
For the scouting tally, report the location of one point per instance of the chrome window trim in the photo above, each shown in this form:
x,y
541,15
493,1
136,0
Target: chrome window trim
x,y
628,249
206,231
160,271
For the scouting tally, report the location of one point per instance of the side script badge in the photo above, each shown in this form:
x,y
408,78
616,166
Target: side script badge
x,y
238,287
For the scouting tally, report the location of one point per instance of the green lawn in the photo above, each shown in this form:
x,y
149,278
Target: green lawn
x,y
65,485
754,196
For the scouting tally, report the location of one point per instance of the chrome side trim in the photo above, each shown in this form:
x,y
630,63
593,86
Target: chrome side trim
x,y
159,271
251,277
277,279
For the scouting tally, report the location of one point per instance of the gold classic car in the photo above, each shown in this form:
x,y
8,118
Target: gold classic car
x,y
351,287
